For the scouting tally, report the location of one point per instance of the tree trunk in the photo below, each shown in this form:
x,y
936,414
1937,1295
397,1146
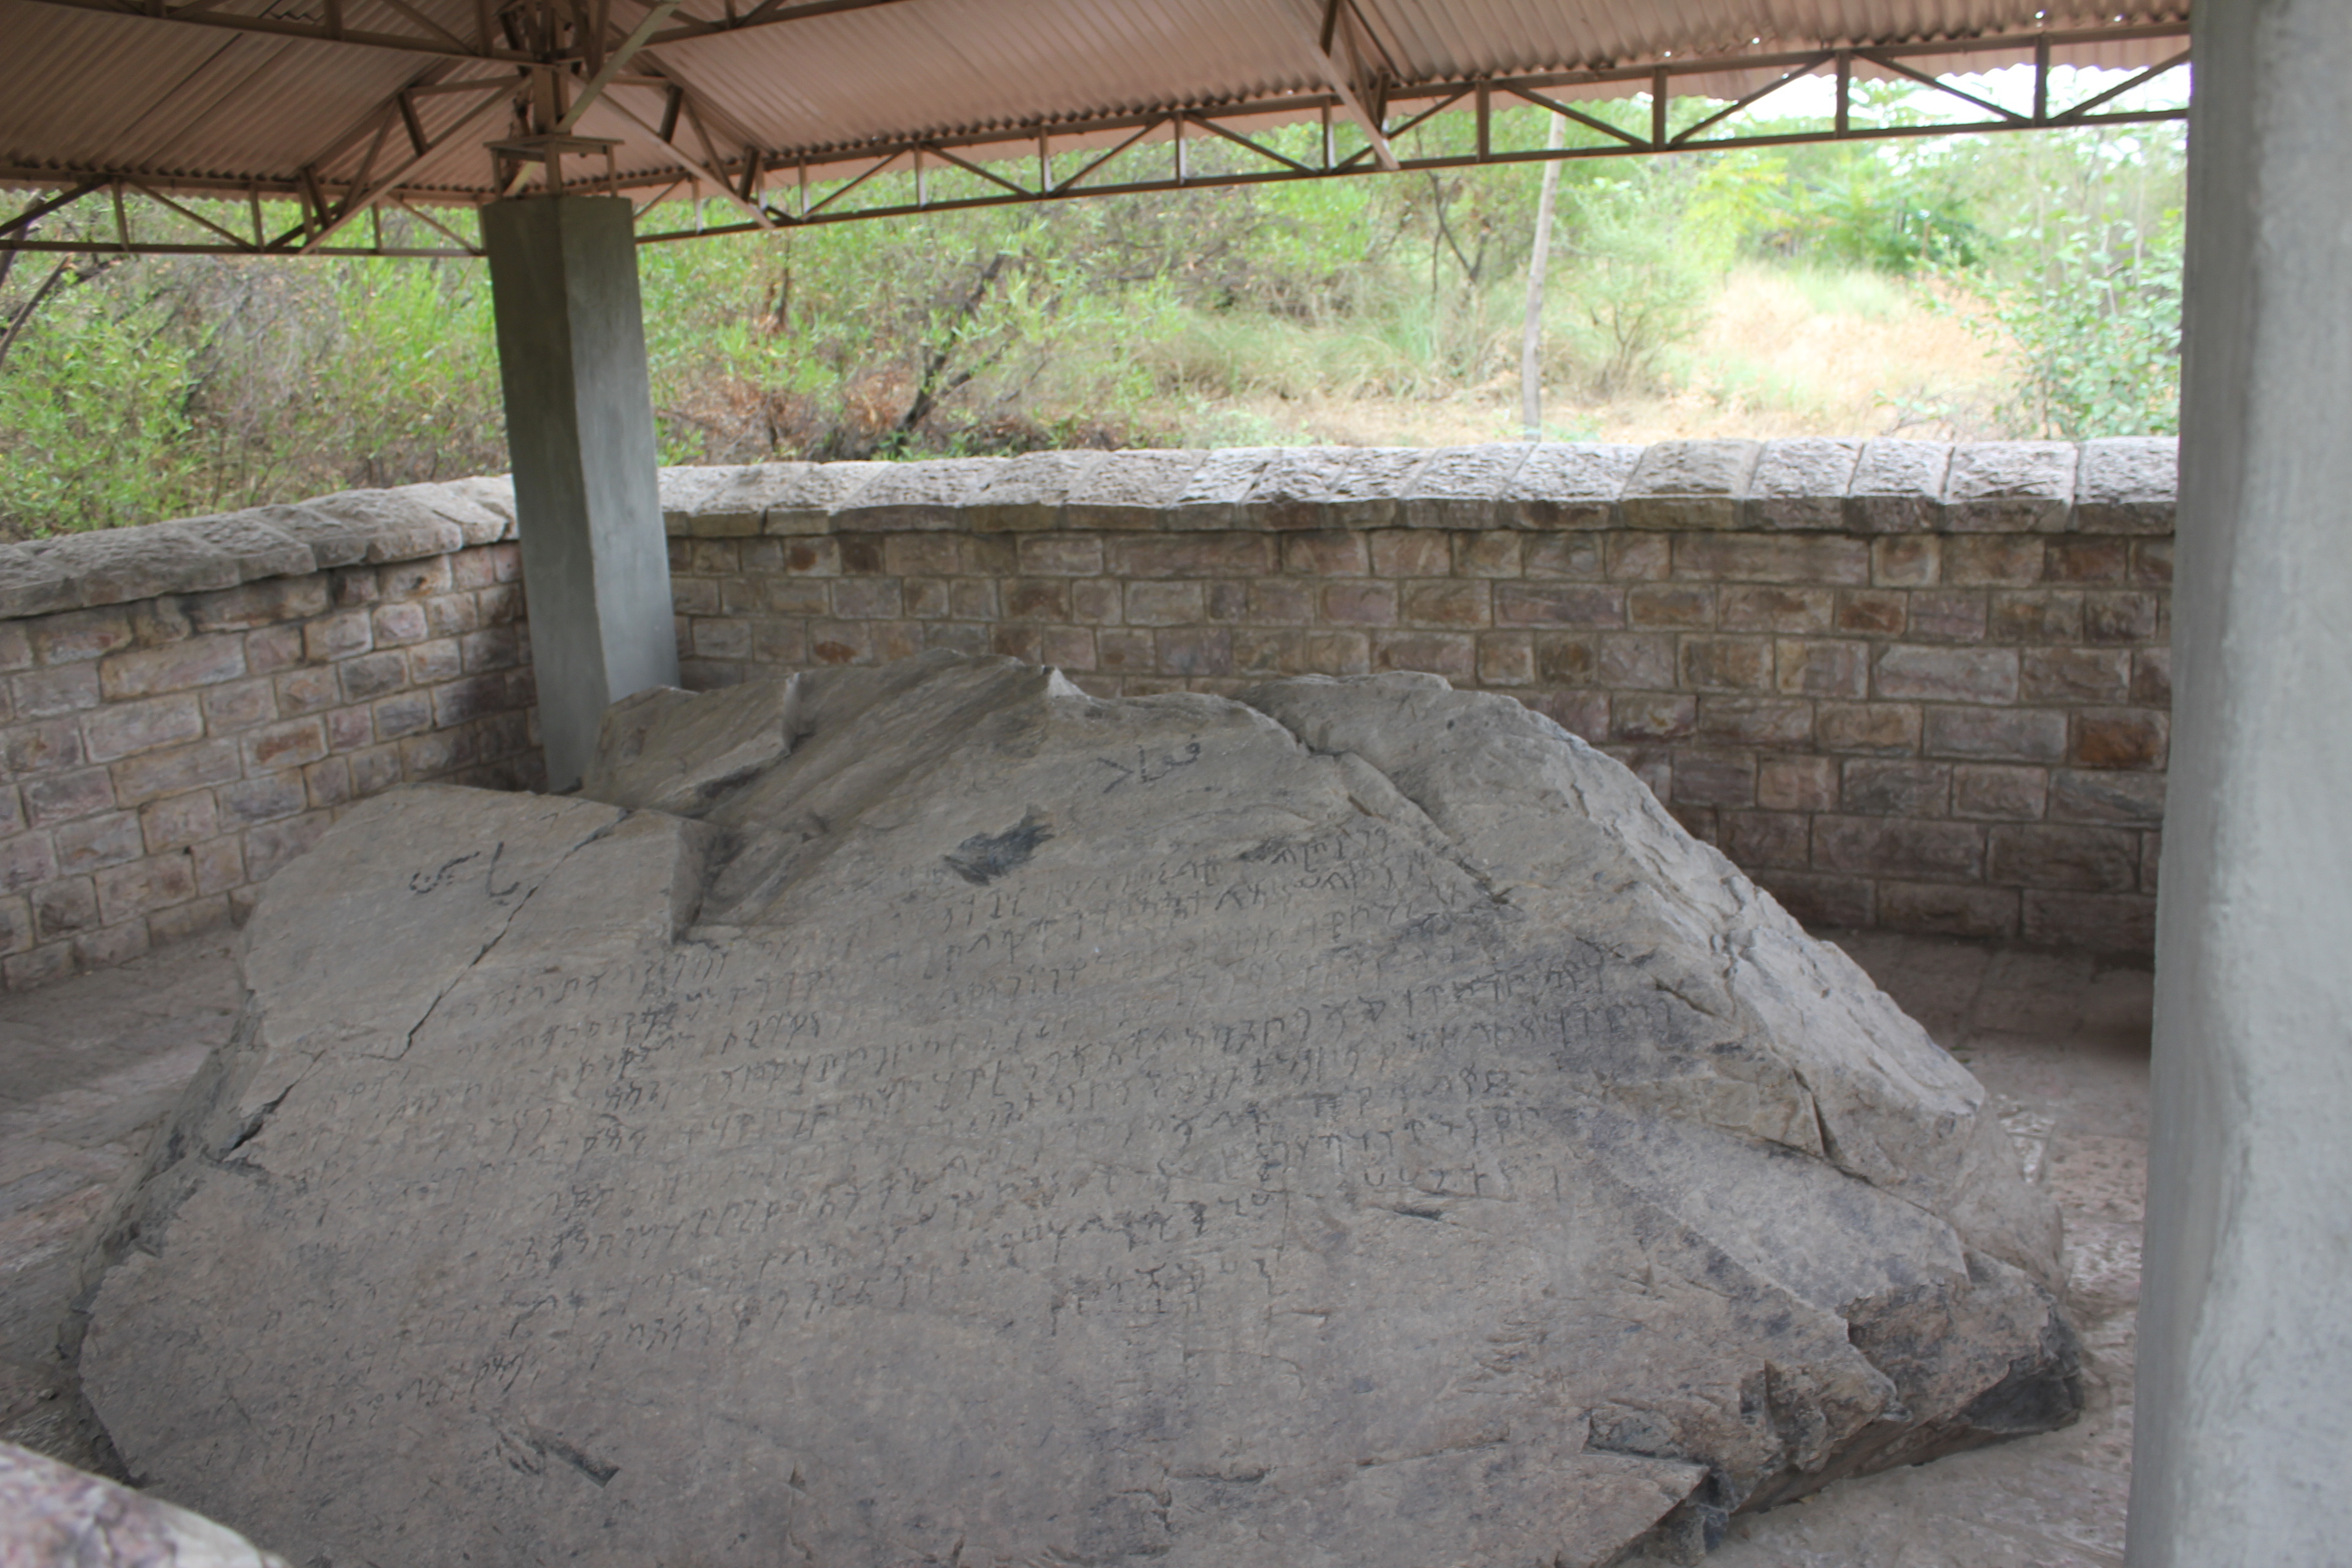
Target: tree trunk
x,y
1531,338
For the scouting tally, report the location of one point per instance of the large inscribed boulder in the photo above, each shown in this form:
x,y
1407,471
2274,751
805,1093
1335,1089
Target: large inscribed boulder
x,y
928,1115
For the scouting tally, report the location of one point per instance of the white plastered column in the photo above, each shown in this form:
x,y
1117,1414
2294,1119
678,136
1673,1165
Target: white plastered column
x,y
2244,1420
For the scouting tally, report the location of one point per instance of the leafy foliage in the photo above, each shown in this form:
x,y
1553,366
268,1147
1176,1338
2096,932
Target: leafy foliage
x,y
2088,286
136,388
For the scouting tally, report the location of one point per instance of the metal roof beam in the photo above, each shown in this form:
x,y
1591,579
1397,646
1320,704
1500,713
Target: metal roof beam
x,y
770,14
639,37
700,168
445,46
1339,49
364,196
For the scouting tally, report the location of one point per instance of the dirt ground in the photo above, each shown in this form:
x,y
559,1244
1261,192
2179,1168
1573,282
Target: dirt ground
x,y
87,1066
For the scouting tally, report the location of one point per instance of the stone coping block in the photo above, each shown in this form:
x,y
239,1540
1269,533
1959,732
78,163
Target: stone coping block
x,y
1808,485
1690,484
2011,487
2125,485
1801,484
1568,486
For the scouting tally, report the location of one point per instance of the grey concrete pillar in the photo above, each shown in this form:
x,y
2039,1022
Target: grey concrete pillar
x,y
2245,1419
580,429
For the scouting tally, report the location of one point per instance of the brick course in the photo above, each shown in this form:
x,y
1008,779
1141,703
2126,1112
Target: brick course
x,y
228,727
1938,701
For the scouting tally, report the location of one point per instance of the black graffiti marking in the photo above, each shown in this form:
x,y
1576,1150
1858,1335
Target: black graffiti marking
x,y
548,1443
447,873
984,856
1144,770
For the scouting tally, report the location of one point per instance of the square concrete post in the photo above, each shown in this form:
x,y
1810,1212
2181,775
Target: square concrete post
x,y
579,430
2244,1418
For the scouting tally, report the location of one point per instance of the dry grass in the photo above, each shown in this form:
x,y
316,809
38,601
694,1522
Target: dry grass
x,y
1784,353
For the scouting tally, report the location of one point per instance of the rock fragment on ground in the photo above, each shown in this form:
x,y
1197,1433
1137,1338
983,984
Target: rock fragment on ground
x,y
53,1516
927,1115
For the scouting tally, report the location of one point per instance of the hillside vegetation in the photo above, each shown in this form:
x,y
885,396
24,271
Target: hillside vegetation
x,y
1969,287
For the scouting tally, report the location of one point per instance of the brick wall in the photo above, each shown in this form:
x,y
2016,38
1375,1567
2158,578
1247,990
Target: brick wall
x,y
181,733
1903,684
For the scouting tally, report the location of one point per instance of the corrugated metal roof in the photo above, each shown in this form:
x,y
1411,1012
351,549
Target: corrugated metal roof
x,y
196,104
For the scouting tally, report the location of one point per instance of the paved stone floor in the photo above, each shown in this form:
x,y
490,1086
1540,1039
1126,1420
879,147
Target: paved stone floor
x,y
88,1065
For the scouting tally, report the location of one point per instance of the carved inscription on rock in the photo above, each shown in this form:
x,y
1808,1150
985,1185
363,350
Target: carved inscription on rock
x,y
1348,1125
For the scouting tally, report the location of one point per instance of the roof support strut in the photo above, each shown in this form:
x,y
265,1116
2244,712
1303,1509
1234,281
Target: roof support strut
x,y
1341,46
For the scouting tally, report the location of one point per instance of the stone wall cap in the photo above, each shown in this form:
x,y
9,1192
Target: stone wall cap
x,y
1224,477
725,502
116,565
1371,484
1131,489
332,540
2011,487
31,586
1898,486
2120,484
1801,484
1331,487
682,490
258,549
1030,492
398,526
2127,485
1568,484
483,509
1580,471
924,495
805,499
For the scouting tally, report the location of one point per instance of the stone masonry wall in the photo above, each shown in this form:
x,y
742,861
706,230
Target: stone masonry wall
x,y
1903,684
184,706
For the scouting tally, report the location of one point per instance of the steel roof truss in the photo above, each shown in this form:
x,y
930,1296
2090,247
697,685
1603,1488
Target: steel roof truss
x,y
737,177
1685,136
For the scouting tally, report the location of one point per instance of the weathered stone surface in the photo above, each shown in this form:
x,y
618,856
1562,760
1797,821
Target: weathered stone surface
x,y
1566,485
1211,497
1132,490
1030,492
116,565
917,495
483,509
727,502
805,502
1690,484
1458,486
31,585
1801,484
2009,487
396,525
2127,485
53,1516
1294,489
1367,491
682,490
668,750
1898,487
257,549
333,540
1348,1125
